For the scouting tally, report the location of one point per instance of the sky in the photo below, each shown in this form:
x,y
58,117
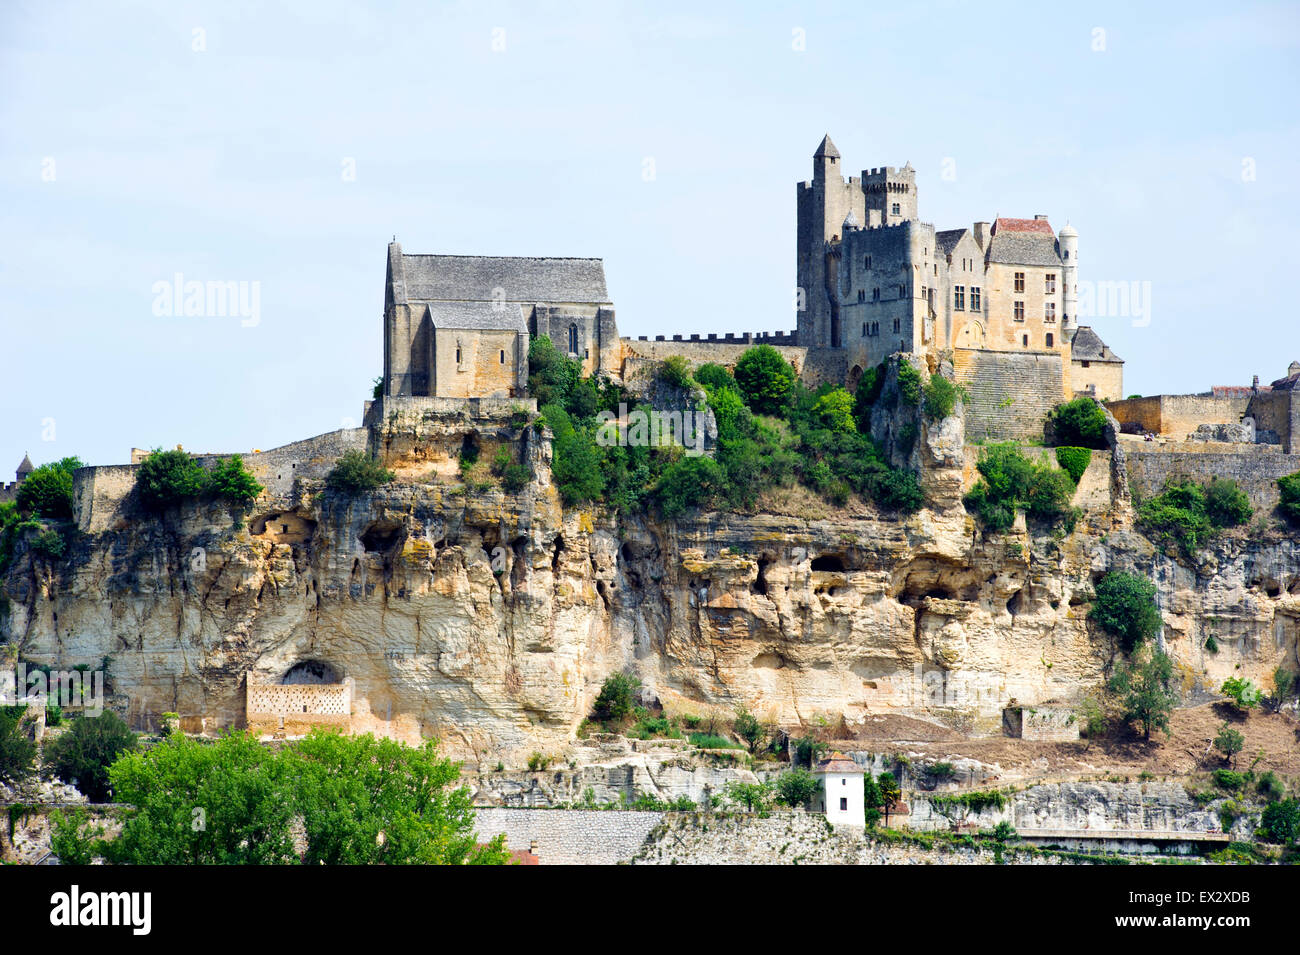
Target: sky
x,y
281,146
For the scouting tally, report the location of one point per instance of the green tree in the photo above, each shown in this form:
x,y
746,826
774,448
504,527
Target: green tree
x,y
890,793
766,380
1125,607
368,801
1075,461
83,754
225,803
1226,504
1143,688
1289,495
941,397
1080,423
377,387
230,481
357,472
675,371
873,799
17,744
166,478
617,697
551,375
1244,694
714,376
1229,742
796,787
1281,820
1284,687
835,409
73,838
47,491
755,797
749,728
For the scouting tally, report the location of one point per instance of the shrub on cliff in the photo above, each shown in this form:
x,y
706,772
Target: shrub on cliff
x,y
1011,481
909,383
83,754
941,397
675,371
765,379
1125,607
551,375
713,376
357,472
166,478
1281,821
1142,685
1080,422
1074,460
617,698
230,481
834,409
1190,515
17,744
1245,695
47,491
1289,491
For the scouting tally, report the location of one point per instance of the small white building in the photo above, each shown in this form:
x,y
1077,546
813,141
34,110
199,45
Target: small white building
x,y
841,796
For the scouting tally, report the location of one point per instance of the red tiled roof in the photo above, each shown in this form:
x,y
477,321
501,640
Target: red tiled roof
x,y
1023,225
1234,391
837,762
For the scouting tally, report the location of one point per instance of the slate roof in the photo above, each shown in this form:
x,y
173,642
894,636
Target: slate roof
x,y
827,149
474,278
479,315
26,467
948,239
1289,383
1088,346
1015,247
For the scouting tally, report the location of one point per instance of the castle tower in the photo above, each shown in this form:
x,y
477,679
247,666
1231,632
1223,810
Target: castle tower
x,y
891,194
823,205
1069,242
25,468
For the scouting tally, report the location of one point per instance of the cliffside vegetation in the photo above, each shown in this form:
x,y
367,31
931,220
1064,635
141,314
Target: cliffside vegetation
x,y
168,478
1080,422
1010,481
357,472
1190,515
1289,489
771,432
41,511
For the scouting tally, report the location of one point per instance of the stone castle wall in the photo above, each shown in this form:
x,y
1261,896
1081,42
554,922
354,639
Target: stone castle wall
x,y
1255,467
1011,393
1178,415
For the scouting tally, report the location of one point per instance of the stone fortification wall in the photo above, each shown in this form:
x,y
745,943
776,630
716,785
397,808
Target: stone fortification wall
x,y
1010,392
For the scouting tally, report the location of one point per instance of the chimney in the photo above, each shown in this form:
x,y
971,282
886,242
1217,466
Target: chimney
x,y
532,847
1038,217
982,234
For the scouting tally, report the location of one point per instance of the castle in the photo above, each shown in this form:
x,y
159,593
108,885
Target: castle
x,y
873,280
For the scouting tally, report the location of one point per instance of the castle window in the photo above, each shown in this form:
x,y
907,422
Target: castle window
x,y
1085,364
573,339
866,263
1020,281
902,291
1049,312
896,209
1026,341
864,329
503,356
898,322
974,298
875,295
862,295
1049,283
959,297
1018,310
1049,339
458,356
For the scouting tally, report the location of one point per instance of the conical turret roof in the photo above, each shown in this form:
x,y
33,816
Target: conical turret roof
x,y
827,149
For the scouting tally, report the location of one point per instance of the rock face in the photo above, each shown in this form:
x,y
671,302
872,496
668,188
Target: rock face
x,y
490,620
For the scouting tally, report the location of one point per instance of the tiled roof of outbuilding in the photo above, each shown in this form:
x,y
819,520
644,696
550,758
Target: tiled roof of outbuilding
x,y
837,762
1039,226
1088,346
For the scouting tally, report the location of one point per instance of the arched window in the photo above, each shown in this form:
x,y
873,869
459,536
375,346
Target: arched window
x,y
573,339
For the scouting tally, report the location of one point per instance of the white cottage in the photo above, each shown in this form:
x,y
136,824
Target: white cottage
x,y
841,796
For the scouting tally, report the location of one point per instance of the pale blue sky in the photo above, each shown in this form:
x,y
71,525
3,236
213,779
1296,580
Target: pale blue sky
x,y
226,164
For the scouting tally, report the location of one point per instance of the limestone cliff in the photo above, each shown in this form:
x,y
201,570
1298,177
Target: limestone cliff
x,y
490,620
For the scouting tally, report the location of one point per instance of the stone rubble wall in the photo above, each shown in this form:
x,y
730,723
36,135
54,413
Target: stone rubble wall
x,y
570,836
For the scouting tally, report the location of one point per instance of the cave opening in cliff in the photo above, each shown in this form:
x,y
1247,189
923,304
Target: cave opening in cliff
x,y
833,563
555,556
760,582
310,673
381,536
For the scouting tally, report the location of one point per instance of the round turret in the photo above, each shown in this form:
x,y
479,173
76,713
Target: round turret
x,y
1068,239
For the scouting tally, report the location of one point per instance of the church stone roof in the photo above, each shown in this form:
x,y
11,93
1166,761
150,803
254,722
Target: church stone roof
x,y
486,316
1088,346
477,278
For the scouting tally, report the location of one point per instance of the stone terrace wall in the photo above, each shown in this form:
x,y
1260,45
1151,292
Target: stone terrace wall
x,y
309,459
1256,468
1178,415
570,836
1010,392
698,351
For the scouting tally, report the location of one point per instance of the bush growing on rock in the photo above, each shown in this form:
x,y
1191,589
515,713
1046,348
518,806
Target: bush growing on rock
x,y
617,697
1075,461
714,376
168,478
941,397
357,472
1081,423
1229,742
47,491
1244,694
675,371
17,744
1281,821
766,379
1190,515
83,754
1010,481
1289,493
1125,607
